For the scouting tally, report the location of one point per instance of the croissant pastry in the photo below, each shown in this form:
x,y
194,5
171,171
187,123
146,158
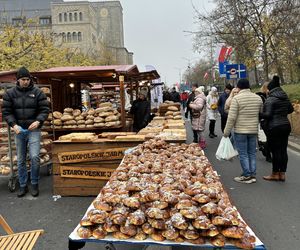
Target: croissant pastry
x,y
190,213
132,202
109,227
85,222
190,234
184,204
157,236
128,229
137,218
170,233
148,229
233,232
158,224
99,232
178,221
140,235
209,208
202,222
97,216
84,232
218,241
220,221
121,236
100,205
201,198
156,213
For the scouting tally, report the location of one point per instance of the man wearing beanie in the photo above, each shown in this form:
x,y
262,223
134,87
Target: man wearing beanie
x,y
25,108
277,128
243,118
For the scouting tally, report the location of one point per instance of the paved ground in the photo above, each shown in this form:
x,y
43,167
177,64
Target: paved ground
x,y
271,209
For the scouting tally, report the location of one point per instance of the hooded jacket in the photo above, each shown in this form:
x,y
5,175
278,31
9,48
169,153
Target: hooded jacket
x,y
276,108
23,106
199,104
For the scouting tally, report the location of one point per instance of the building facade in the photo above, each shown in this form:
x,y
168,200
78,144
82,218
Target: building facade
x,y
92,28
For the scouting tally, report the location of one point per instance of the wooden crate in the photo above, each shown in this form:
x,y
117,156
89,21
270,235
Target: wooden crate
x,y
83,168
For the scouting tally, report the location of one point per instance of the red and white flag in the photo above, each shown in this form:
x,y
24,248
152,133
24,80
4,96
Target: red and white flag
x,y
225,53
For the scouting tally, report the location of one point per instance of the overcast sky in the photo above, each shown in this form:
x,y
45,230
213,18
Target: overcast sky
x,y
154,32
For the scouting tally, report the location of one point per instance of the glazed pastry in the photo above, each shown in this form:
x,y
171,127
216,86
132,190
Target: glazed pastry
x,y
137,218
160,204
190,233
220,221
158,224
156,213
99,232
140,235
110,227
170,233
179,222
97,216
180,239
148,229
201,198
199,241
184,204
209,208
211,232
190,213
120,236
234,232
131,202
85,222
84,232
148,196
100,205
128,229
218,241
157,236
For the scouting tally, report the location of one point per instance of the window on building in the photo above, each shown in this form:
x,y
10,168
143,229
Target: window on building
x,y
64,37
80,16
74,37
79,36
45,20
65,17
69,37
75,16
18,21
60,17
70,17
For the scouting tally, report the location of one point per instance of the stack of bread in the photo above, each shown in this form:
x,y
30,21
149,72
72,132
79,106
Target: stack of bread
x,y
86,136
164,107
104,116
166,192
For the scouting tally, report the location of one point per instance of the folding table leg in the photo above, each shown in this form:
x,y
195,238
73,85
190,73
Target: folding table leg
x,y
75,245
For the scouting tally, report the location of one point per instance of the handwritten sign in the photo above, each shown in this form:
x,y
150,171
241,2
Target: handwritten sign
x,y
86,172
91,155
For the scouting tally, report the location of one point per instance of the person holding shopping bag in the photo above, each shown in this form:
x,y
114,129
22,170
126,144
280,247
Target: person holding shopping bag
x,y
243,116
198,112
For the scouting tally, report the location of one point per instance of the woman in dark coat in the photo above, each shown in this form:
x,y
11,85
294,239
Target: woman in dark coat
x,y
277,128
141,111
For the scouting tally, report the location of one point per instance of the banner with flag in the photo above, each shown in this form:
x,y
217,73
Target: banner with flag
x,y
225,53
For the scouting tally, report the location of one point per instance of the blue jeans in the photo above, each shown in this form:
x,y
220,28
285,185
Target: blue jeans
x,y
31,140
246,146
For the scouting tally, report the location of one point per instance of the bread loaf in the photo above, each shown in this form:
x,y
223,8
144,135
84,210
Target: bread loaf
x,y
68,110
57,115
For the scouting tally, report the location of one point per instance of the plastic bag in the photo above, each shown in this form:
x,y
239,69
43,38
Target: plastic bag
x,y
225,150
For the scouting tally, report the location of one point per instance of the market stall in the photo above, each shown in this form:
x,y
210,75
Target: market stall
x,y
167,194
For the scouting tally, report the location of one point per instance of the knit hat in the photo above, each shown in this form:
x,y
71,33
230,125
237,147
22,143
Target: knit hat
x,y
23,72
214,89
274,83
243,84
199,89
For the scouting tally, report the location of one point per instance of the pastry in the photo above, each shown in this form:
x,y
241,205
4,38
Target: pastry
x,y
148,229
202,222
137,218
97,216
233,232
85,222
157,236
100,205
140,235
120,236
128,229
99,232
178,221
84,232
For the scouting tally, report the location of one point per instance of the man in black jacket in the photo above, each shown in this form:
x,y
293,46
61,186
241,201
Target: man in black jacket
x,y
25,108
141,111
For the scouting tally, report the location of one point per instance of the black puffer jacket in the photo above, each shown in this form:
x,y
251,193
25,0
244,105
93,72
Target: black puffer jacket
x,y
23,106
141,111
276,108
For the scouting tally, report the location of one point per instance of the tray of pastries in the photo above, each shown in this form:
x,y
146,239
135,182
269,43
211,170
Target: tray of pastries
x,y
166,194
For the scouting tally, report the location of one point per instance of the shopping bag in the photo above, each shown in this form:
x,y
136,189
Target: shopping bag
x,y
225,150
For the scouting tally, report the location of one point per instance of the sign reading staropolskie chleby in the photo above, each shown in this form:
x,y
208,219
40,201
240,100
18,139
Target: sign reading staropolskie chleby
x,y
91,155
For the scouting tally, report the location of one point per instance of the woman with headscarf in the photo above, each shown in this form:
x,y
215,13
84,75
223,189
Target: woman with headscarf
x,y
212,110
198,112
277,128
